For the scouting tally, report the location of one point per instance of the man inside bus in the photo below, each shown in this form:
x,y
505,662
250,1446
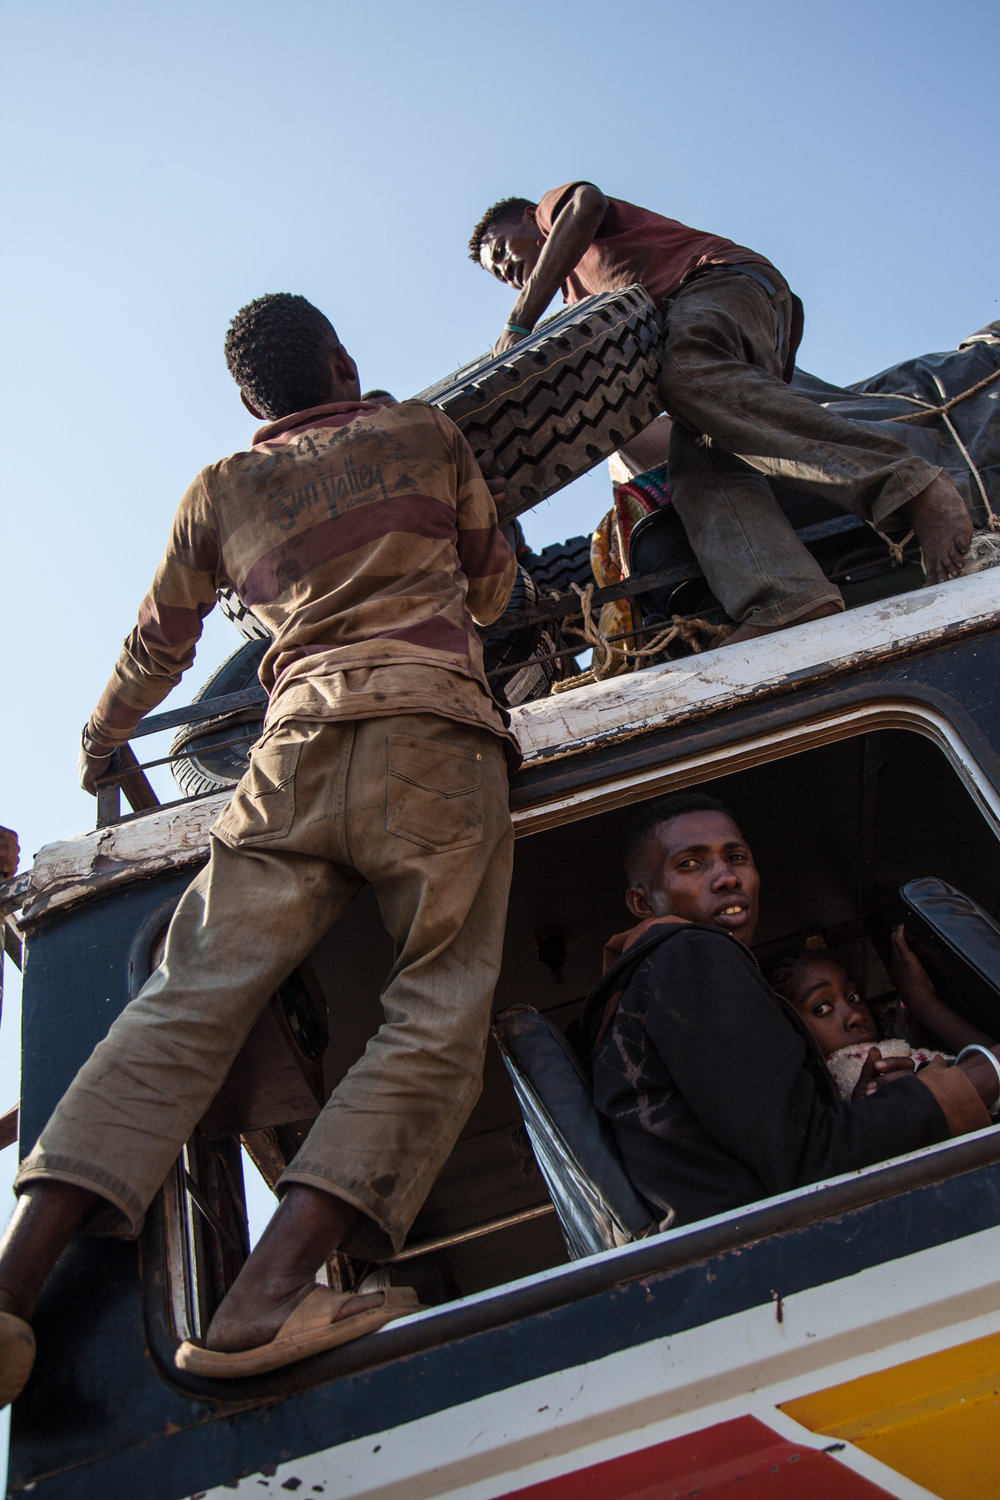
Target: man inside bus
x,y
717,1093
732,330
365,538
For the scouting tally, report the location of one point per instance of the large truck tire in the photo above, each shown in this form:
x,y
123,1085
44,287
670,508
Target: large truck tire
x,y
528,678
560,565
582,385
208,761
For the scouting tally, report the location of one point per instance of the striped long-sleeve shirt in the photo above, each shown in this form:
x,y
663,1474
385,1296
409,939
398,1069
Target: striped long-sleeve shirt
x,y
365,539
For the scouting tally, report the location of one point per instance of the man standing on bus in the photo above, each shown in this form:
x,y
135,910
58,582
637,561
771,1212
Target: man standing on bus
x,y
365,538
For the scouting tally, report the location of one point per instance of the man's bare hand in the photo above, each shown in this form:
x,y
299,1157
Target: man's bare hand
x,y
909,975
919,999
93,761
496,483
10,853
878,1070
507,340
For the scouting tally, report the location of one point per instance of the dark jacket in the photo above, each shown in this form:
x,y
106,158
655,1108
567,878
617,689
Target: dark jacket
x,y
718,1094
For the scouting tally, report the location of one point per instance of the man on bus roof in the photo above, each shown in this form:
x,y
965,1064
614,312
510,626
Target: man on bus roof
x,y
732,329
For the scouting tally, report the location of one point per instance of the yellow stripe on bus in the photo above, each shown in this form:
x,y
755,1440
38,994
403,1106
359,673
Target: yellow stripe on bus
x,y
935,1419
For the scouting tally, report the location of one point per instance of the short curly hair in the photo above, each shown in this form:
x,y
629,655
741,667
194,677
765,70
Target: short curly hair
x,y
277,350
644,827
503,212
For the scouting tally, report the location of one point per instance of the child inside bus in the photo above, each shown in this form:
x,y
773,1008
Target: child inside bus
x,y
830,1004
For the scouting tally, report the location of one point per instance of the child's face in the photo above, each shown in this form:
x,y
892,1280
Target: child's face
x,y
829,1003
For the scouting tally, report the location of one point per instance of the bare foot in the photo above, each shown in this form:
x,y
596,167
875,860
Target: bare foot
x,y
944,530
239,1325
751,632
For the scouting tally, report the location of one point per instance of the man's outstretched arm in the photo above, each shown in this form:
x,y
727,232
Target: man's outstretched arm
x,y
571,236
162,645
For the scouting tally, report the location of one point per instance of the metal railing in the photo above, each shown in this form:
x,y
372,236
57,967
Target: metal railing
x,y
126,774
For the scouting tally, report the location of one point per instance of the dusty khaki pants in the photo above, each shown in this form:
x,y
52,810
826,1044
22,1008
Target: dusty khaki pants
x,y
415,804
738,423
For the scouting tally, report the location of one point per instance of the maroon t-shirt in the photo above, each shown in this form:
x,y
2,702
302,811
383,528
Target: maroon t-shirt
x,y
632,244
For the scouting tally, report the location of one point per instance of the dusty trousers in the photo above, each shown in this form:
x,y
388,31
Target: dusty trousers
x,y
737,423
417,805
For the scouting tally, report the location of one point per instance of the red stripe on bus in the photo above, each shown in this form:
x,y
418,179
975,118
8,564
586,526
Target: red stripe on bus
x,y
739,1460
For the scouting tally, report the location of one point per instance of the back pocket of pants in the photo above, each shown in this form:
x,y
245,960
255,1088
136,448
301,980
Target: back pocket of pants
x,y
433,794
262,808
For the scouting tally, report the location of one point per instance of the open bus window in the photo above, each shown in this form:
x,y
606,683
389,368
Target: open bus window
x,y
835,830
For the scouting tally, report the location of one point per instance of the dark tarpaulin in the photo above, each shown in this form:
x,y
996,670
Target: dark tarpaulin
x,y
934,379
852,554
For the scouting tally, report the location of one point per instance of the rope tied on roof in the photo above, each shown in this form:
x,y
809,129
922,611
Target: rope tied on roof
x,y
927,409
611,659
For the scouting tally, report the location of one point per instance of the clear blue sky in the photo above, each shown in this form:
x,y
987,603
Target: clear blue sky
x,y
163,165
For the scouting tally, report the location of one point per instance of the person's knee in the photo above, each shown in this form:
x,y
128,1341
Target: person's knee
x,y
687,364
